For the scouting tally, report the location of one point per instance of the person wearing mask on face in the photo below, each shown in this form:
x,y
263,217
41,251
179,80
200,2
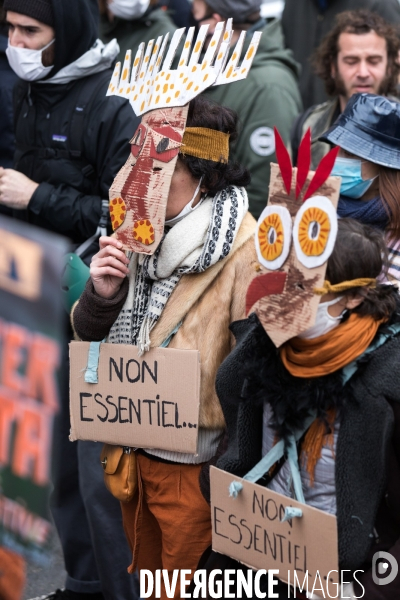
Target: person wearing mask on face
x,y
348,419
193,286
268,98
359,54
132,22
368,134
70,142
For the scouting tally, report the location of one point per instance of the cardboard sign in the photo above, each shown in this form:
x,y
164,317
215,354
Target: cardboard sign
x,y
32,320
249,529
150,401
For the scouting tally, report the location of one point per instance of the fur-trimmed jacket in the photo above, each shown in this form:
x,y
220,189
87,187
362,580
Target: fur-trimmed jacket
x,y
367,467
206,303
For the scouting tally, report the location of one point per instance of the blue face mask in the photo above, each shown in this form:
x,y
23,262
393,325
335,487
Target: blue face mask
x,y
353,185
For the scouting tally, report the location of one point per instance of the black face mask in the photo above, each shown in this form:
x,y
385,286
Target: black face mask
x,y
198,22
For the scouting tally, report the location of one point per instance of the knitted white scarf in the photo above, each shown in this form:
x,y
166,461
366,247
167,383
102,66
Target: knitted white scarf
x,y
195,243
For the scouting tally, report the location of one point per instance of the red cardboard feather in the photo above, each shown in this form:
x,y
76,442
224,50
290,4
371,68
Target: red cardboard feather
x,y
285,164
322,173
303,161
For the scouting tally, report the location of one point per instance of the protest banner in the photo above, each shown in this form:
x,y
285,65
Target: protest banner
x,y
149,401
31,335
249,528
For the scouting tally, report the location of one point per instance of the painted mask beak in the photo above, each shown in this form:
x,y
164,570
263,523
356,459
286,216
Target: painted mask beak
x,y
265,285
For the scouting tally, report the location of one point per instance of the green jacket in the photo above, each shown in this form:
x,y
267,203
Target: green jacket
x,y
268,97
130,34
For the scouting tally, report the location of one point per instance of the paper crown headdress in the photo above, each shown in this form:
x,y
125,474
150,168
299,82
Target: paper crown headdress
x,y
151,82
139,193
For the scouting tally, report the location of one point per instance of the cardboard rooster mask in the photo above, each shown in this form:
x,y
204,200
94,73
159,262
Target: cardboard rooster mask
x,y
295,236
139,193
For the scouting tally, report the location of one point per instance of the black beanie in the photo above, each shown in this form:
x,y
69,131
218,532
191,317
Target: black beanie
x,y
41,10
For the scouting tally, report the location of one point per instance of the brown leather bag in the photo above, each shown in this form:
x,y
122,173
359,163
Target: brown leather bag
x,y
120,472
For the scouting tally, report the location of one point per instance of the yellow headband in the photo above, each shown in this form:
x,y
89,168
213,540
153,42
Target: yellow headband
x,y
345,285
208,144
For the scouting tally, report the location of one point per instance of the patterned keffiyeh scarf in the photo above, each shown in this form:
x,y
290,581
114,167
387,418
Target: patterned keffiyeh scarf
x,y
200,240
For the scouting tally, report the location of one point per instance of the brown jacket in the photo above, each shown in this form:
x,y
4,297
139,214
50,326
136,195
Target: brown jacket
x,y
206,303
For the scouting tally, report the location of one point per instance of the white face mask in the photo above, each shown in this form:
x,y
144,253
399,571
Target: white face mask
x,y
129,9
186,209
26,63
324,321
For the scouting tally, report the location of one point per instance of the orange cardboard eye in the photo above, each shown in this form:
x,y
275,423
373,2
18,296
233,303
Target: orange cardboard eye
x,y
117,212
143,232
273,237
270,237
314,229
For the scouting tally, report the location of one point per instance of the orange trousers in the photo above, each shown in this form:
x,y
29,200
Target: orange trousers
x,y
168,523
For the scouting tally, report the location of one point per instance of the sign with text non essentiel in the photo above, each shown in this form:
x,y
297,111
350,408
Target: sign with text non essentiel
x,y
149,401
32,323
249,528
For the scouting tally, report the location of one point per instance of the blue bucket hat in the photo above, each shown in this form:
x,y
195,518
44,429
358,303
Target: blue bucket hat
x,y
369,127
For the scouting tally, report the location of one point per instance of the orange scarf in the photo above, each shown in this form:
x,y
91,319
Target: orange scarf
x,y
332,351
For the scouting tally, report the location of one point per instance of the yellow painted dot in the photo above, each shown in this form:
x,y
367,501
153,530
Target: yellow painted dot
x,y
157,99
155,49
235,74
165,88
142,107
172,86
196,88
250,53
185,80
204,65
110,86
135,98
213,43
163,73
149,102
244,71
146,59
125,74
220,55
126,56
197,47
168,76
158,87
141,74
229,73
226,34
187,44
182,62
194,69
128,91
189,85
181,75
205,77
157,78
234,56
143,232
177,94
120,90
168,99
135,64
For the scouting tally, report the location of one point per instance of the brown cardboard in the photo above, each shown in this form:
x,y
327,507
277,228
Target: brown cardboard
x,y
165,381
247,529
292,309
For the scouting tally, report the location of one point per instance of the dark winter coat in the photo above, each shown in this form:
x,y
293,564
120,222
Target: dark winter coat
x,y
305,23
368,447
71,187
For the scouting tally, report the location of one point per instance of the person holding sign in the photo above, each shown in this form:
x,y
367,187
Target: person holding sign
x,y
180,209
317,362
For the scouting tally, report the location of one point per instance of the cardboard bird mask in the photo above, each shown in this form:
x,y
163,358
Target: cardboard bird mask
x,y
295,236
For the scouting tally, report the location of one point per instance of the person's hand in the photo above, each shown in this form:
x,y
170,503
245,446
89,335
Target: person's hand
x,y
16,189
109,267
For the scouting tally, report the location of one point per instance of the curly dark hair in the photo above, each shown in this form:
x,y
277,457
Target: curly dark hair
x,y
216,176
360,22
360,251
